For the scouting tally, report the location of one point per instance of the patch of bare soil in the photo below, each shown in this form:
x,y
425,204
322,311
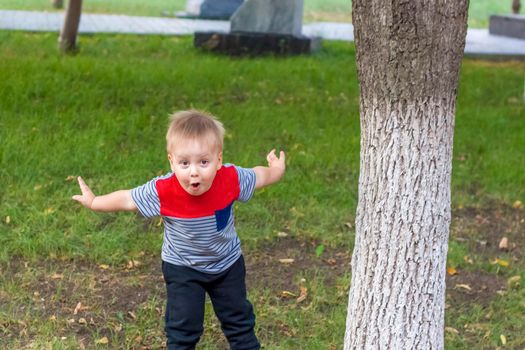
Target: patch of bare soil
x,y
91,298
482,229
474,287
277,266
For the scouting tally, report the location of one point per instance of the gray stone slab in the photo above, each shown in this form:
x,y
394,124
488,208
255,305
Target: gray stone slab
x,y
480,44
269,16
507,25
219,9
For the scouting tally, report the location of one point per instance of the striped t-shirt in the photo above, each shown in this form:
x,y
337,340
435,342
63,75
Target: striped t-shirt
x,y
199,231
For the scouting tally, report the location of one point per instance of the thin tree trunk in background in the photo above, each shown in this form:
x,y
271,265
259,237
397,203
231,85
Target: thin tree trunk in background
x,y
58,4
516,6
68,35
408,59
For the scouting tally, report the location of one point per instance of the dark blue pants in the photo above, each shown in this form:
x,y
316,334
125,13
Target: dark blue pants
x,y
186,290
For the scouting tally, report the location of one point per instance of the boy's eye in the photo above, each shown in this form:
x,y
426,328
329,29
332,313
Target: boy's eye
x,y
204,162
184,163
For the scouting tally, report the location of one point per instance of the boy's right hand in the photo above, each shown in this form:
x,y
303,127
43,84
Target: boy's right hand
x,y
87,197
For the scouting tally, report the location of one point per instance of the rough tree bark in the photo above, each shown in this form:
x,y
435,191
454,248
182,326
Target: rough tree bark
x,y
67,41
408,59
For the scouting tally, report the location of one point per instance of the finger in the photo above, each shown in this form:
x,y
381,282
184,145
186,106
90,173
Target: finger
x,y
282,155
83,187
271,155
77,198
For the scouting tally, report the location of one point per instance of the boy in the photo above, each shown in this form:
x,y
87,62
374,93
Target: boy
x,y
201,251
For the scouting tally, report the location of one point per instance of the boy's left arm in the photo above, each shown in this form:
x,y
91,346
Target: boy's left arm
x,y
265,176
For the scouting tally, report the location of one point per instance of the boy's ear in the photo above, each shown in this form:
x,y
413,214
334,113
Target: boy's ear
x,y
170,159
219,165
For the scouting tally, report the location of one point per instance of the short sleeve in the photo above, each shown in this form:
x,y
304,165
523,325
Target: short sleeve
x,y
146,199
246,183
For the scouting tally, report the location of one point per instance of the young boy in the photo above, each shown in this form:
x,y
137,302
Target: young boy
x,y
201,250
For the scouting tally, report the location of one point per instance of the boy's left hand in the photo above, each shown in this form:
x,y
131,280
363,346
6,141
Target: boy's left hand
x,y
276,162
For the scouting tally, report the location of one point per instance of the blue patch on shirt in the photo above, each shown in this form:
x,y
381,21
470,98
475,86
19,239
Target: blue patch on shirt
x,y
223,216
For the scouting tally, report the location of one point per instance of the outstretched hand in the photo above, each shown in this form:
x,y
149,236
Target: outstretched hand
x,y
87,197
276,162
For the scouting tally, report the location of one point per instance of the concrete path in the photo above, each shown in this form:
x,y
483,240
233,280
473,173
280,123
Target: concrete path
x,y
479,42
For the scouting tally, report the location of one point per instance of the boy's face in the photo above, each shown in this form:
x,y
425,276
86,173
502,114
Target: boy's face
x,y
195,163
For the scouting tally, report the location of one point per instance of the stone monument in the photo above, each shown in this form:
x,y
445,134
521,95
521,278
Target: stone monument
x,y
262,26
508,25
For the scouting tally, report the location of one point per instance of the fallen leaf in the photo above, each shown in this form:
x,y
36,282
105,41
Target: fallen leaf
x,y
7,219
330,261
500,262
57,276
103,266
49,210
468,260
103,341
514,281
517,205
349,225
286,261
70,178
503,339
82,320
132,315
37,187
281,234
303,294
452,271
133,263
463,286
451,330
77,308
287,294
504,243
319,250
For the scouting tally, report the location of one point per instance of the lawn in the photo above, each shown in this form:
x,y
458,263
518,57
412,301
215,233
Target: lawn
x,y
314,10
74,279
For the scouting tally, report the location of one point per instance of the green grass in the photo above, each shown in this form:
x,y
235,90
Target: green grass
x,y
314,10
102,114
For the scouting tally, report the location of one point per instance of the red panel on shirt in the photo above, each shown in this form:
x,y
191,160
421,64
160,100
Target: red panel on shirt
x,y
176,202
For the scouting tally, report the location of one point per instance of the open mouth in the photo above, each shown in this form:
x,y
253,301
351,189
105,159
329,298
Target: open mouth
x,y
195,185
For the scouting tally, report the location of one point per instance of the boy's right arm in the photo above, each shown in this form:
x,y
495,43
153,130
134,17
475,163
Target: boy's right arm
x,y
115,201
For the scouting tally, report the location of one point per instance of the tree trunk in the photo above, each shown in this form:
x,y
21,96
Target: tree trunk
x,y
408,59
67,41
58,4
516,6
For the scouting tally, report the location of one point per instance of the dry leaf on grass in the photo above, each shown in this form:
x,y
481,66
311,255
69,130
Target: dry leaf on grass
x,y
451,330
103,341
504,244
57,276
463,286
286,261
452,271
500,262
303,294
287,294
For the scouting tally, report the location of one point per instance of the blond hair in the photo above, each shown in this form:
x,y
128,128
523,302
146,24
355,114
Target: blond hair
x,y
193,124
